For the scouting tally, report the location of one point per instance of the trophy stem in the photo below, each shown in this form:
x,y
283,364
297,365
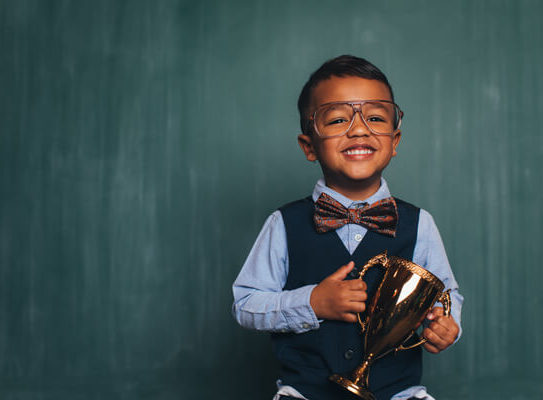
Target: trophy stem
x,y
361,374
358,382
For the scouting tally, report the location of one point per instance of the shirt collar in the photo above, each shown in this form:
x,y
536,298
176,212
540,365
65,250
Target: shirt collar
x,y
382,193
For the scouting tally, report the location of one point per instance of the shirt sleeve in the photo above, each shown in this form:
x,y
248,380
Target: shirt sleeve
x,y
259,299
430,253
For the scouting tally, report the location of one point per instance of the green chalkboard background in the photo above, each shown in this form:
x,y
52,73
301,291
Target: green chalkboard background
x,y
143,143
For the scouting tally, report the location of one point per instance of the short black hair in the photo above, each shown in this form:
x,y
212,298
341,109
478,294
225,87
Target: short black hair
x,y
345,65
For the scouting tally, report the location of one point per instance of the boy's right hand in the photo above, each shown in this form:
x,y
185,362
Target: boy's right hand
x,y
339,299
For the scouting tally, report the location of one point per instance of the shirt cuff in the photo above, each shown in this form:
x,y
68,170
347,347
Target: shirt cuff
x,y
297,310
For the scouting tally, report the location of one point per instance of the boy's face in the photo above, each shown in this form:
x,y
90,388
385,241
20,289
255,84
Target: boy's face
x,y
352,164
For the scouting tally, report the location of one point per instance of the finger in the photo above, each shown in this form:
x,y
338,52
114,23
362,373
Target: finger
x,y
356,284
444,322
358,296
349,317
356,307
342,272
431,348
436,312
440,330
448,327
434,339
446,336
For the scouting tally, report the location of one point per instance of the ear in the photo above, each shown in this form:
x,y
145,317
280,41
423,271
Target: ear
x,y
306,144
395,142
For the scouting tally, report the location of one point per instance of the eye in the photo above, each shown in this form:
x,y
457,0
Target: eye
x,y
376,118
337,121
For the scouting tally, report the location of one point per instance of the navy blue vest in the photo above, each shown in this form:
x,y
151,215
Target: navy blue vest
x,y
308,359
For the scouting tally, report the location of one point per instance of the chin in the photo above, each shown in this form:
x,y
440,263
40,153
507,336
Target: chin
x,y
362,180
364,177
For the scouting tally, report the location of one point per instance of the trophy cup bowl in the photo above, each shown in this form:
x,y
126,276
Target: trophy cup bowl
x,y
405,295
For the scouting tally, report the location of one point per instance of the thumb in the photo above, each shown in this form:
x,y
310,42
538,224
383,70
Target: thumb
x,y
342,272
436,312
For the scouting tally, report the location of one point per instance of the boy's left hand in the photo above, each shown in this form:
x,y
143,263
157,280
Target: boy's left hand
x,y
441,332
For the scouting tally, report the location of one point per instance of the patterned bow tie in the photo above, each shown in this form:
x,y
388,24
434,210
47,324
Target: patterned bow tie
x,y
381,216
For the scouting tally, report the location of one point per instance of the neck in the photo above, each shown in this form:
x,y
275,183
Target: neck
x,y
358,191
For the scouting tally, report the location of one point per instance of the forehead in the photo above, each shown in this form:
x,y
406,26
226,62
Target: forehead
x,y
348,88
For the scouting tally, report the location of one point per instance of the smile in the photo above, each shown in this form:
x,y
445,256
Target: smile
x,y
356,152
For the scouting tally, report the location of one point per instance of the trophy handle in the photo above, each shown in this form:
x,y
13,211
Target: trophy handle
x,y
378,260
444,299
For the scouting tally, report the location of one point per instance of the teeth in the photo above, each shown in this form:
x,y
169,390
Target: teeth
x,y
353,152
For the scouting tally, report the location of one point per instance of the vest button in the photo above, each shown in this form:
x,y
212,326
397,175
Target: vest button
x,y
349,354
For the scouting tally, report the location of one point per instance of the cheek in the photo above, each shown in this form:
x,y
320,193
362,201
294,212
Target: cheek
x,y
324,149
390,147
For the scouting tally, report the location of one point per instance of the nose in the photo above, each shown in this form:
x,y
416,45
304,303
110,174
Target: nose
x,y
358,126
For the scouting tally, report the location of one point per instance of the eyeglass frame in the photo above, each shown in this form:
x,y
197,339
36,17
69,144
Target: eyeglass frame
x,y
358,110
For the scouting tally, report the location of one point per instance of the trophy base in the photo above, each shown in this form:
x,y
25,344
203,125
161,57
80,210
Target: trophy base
x,y
352,387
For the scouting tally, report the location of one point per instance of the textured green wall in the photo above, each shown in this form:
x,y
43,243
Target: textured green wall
x,y
143,143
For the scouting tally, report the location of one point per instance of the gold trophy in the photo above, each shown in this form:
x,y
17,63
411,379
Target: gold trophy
x,y
405,295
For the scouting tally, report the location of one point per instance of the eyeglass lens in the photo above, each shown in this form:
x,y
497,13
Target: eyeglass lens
x,y
336,119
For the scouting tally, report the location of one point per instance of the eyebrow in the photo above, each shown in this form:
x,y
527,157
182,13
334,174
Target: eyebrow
x,y
375,103
379,105
357,102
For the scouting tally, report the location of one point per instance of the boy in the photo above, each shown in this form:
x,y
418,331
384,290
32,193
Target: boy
x,y
297,280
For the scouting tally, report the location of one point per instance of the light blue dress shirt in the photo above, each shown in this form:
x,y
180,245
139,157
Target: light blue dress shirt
x,y
261,303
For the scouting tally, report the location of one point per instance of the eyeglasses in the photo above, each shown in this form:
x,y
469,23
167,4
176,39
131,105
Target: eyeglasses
x,y
381,117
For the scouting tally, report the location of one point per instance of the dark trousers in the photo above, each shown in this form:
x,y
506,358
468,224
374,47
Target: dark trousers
x,y
294,398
